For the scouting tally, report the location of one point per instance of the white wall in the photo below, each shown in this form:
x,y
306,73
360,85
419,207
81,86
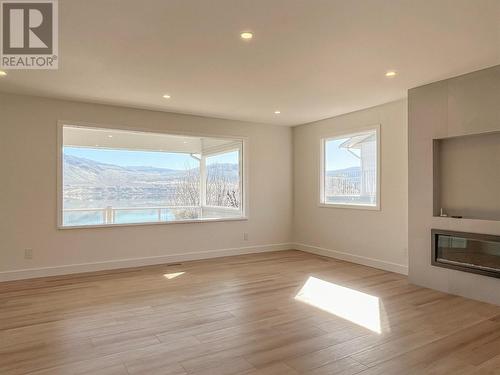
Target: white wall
x,y
467,104
28,159
28,154
376,238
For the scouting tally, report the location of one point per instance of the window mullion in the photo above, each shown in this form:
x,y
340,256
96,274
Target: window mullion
x,y
203,181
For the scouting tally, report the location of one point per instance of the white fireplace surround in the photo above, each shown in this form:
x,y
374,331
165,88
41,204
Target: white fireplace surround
x,y
459,106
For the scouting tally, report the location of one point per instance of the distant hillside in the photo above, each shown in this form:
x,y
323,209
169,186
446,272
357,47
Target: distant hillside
x,y
350,172
84,172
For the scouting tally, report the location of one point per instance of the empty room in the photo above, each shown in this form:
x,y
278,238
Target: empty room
x,y
264,187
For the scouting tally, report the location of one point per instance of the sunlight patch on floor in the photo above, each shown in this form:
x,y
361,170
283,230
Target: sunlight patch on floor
x,y
357,307
170,276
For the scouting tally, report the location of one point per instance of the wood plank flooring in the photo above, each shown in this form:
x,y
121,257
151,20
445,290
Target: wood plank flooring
x,y
239,315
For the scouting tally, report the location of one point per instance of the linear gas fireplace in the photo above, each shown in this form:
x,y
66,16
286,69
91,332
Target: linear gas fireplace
x,y
468,252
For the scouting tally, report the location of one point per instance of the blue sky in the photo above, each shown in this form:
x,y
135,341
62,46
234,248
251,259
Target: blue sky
x,y
339,158
144,158
230,157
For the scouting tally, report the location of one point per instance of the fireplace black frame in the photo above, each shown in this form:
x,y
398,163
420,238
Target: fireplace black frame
x,y
458,267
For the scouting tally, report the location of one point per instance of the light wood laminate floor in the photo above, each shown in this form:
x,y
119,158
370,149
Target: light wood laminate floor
x,y
262,314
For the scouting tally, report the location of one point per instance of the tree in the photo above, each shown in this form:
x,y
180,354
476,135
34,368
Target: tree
x,y
222,190
187,194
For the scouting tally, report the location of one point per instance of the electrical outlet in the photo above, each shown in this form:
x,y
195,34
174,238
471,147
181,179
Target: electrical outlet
x,y
245,236
28,253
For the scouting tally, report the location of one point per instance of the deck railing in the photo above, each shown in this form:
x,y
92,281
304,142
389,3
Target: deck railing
x,y
146,214
352,184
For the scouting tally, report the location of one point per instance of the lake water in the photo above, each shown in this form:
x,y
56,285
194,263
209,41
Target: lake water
x,y
97,217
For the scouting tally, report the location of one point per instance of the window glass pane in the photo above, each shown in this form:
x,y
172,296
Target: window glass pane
x,y
223,180
350,175
121,177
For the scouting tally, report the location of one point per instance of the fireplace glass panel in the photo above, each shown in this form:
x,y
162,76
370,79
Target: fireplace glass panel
x,y
467,252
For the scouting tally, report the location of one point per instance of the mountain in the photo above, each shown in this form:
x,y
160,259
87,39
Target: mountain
x,y
84,172
349,172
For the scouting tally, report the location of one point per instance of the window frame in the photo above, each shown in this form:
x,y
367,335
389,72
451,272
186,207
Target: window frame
x,y
243,174
322,164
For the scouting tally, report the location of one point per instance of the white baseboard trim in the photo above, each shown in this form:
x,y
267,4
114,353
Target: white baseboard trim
x,y
136,262
371,262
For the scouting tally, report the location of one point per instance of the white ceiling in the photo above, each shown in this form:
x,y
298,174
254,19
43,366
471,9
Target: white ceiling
x,y
311,59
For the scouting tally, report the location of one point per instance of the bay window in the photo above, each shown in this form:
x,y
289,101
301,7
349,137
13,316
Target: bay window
x,y
117,177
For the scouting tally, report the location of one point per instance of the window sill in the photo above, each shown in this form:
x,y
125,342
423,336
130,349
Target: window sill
x,y
350,206
64,227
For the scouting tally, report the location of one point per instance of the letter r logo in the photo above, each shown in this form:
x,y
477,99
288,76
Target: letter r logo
x,y
27,28
18,28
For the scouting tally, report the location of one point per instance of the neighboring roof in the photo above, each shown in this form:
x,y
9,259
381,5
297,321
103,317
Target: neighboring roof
x,y
357,140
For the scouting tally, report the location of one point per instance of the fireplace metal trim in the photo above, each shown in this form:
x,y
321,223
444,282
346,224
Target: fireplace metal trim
x,y
458,266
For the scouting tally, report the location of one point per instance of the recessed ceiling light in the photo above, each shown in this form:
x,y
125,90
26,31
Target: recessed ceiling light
x,y
391,73
277,112
110,136
166,96
246,35
2,73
